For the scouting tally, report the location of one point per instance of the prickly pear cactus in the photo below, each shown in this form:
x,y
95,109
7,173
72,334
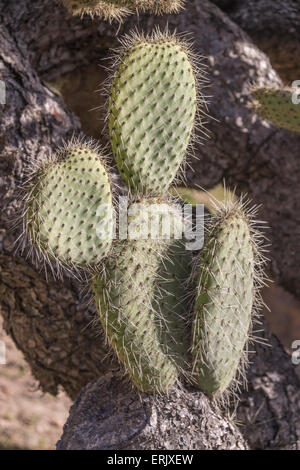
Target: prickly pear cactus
x,y
62,217
157,7
152,110
104,9
226,298
117,9
278,107
145,325
144,290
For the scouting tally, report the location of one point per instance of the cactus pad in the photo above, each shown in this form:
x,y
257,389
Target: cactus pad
x,y
152,111
156,7
63,217
117,9
224,302
104,9
277,106
141,321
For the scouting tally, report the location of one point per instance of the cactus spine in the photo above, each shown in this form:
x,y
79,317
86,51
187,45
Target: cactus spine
x,y
117,9
108,11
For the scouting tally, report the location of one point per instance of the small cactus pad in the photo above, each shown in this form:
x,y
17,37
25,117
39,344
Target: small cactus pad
x,y
69,209
107,10
132,302
152,111
156,7
117,9
277,106
224,303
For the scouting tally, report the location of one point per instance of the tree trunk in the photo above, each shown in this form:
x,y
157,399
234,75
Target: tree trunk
x,y
47,319
183,419
268,413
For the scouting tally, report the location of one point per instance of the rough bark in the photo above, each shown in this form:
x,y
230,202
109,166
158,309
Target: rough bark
x,y
274,27
41,42
269,410
52,328
121,419
268,413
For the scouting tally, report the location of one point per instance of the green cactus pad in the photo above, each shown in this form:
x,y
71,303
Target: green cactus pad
x,y
69,208
141,306
277,106
152,112
224,303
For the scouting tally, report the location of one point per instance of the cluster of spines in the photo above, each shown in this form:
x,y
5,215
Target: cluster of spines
x,y
155,7
117,9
